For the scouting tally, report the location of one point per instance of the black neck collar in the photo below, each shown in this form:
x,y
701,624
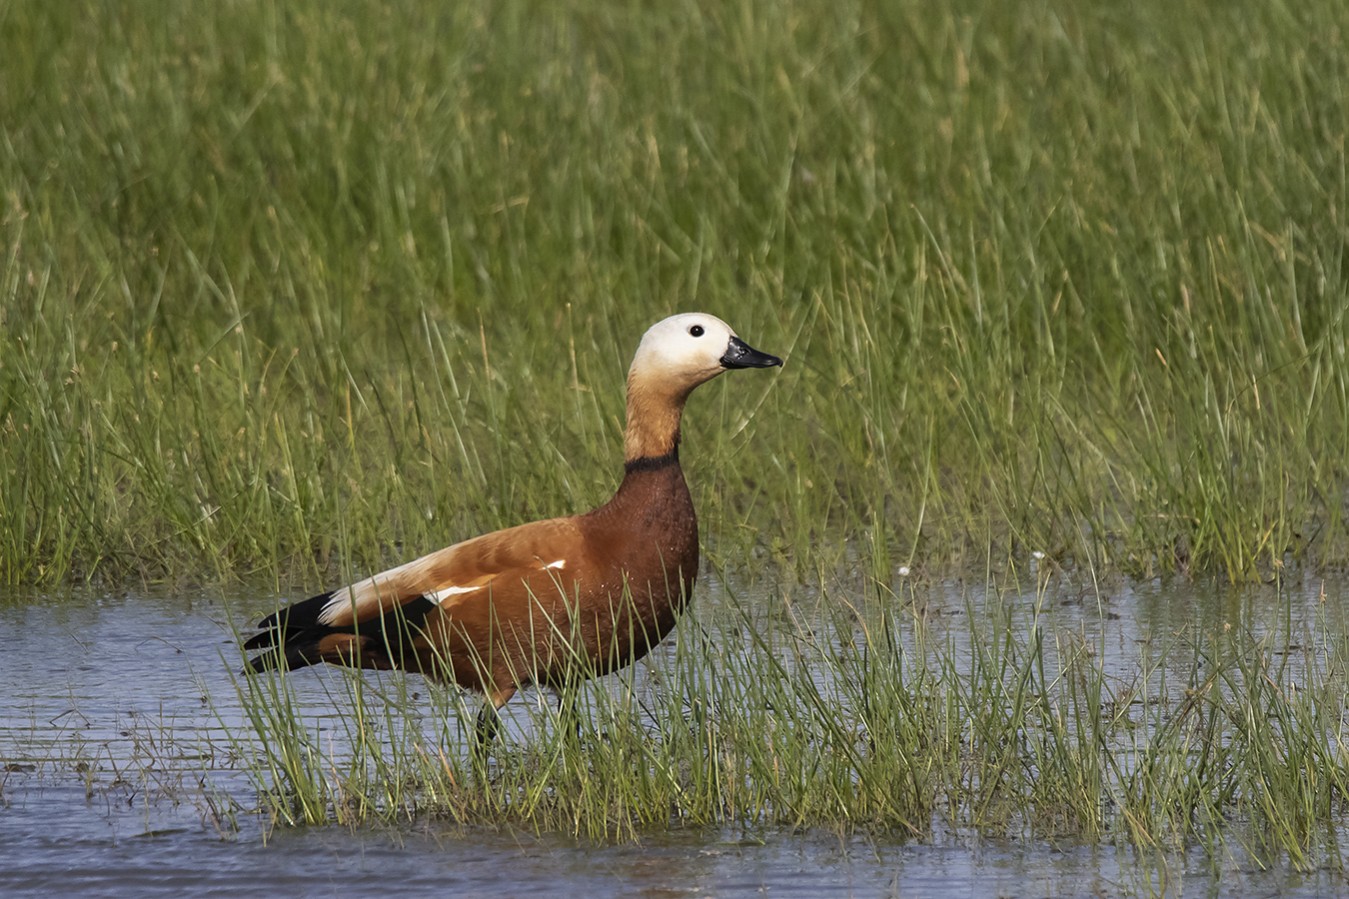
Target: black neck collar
x,y
652,463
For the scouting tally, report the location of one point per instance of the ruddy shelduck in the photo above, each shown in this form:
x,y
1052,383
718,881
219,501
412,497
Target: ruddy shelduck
x,y
545,602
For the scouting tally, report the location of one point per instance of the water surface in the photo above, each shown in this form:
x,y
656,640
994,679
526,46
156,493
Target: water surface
x,y
118,775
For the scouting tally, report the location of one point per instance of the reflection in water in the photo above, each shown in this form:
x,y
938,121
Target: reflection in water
x,y
117,777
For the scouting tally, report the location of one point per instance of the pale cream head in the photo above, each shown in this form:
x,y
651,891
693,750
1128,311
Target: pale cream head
x,y
682,351
675,356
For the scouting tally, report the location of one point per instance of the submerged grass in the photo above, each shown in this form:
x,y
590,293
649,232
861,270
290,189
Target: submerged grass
x,y
290,288
860,719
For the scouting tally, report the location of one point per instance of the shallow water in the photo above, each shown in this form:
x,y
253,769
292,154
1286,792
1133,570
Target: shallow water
x,y
118,776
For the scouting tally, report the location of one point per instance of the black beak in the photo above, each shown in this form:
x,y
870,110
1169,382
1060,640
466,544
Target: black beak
x,y
741,355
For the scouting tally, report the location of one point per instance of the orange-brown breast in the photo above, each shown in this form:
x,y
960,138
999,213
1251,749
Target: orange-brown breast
x,y
618,591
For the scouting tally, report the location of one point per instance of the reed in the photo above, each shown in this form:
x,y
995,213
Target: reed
x,y
298,292
856,717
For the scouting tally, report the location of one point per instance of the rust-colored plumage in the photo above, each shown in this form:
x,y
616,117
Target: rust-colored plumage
x,y
544,601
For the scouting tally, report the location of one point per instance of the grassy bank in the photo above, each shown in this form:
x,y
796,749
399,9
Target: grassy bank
x,y
293,288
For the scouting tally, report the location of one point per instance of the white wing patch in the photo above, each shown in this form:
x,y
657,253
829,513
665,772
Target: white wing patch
x,y
441,595
445,593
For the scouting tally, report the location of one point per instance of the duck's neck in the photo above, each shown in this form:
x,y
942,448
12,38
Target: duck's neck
x,y
652,435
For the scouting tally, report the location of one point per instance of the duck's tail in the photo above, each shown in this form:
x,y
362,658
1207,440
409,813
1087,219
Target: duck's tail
x,y
294,637
291,637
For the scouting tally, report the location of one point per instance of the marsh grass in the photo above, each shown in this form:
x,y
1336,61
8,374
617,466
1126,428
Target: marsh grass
x,y
296,291
302,291
867,719
134,771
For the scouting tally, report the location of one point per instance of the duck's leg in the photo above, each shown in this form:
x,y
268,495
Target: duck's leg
x,y
488,725
487,728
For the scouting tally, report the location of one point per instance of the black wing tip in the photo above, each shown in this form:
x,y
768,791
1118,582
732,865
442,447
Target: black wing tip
x,y
296,654
276,628
278,631
264,640
260,664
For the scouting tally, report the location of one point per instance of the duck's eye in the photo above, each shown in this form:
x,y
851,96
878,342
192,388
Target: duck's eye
x,y
696,330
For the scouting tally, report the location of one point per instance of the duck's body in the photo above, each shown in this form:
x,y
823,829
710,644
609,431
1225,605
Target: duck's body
x,y
547,601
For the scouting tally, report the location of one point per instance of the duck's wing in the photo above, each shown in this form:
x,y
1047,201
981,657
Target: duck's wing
x,y
445,578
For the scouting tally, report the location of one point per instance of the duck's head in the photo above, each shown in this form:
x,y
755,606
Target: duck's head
x,y
686,350
675,356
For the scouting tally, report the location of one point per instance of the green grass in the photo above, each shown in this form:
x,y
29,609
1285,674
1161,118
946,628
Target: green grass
x,y
872,718
303,289
295,291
